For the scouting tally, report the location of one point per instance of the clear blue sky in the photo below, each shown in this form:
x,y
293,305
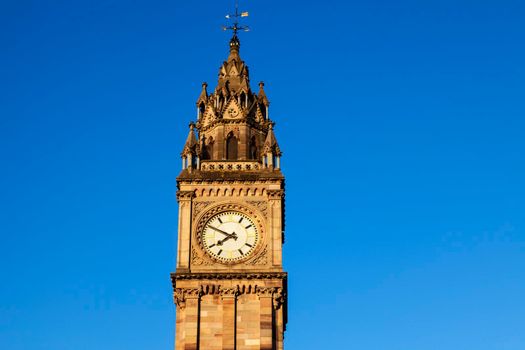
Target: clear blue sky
x,y
402,125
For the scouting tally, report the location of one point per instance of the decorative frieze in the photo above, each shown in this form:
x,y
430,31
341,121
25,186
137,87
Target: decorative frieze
x,y
233,190
229,292
230,166
181,294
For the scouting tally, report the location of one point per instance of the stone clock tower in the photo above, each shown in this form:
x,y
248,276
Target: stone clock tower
x,y
229,285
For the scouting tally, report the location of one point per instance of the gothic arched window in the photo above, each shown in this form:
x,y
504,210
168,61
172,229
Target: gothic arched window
x,y
208,149
231,147
253,148
243,99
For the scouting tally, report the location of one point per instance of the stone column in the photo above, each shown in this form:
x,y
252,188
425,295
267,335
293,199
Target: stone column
x,y
266,320
187,321
275,198
180,301
278,306
185,202
229,314
191,319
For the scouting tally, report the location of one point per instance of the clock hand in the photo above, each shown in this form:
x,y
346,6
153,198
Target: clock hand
x,y
231,235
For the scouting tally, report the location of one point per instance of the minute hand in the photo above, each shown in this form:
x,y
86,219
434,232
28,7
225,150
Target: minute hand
x,y
231,235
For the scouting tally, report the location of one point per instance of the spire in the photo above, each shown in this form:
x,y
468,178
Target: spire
x,y
262,95
203,97
191,150
191,142
271,150
233,74
270,144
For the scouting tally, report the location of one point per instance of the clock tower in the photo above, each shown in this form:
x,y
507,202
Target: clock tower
x,y
229,284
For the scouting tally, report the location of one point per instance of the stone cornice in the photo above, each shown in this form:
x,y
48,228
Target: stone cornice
x,y
176,276
221,176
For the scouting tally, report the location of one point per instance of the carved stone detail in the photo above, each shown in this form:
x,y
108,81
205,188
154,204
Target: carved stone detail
x,y
232,128
193,292
185,195
178,298
199,206
229,292
198,260
261,205
265,291
276,293
275,194
279,298
228,276
180,295
230,166
260,259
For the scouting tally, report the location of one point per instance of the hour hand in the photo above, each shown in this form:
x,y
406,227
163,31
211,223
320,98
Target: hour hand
x,y
233,235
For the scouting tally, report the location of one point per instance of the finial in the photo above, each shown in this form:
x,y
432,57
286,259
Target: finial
x,y
204,85
192,126
261,85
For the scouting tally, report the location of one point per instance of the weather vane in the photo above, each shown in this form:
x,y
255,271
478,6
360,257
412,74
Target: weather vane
x,y
235,26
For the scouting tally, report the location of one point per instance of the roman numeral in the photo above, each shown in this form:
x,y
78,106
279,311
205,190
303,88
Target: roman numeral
x,y
249,245
247,227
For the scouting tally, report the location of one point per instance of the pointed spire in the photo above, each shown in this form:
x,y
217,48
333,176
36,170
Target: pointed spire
x,y
190,153
270,144
203,97
262,95
233,74
191,142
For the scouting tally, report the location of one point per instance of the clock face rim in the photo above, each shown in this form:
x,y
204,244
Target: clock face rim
x,y
254,213
243,235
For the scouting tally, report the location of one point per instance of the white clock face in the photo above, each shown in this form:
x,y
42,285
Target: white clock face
x,y
230,236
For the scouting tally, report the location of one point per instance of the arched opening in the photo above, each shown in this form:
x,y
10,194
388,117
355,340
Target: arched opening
x,y
243,99
231,147
253,148
208,149
201,109
262,108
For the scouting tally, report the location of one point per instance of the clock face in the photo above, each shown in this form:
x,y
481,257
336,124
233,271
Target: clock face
x,y
230,236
